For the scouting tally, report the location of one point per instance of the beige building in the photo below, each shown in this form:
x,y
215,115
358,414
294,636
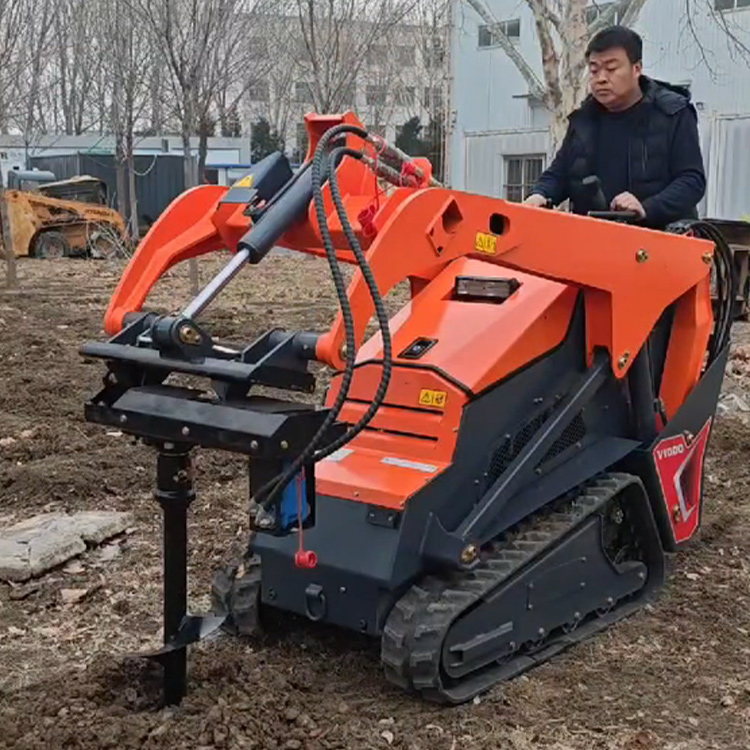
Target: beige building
x,y
386,79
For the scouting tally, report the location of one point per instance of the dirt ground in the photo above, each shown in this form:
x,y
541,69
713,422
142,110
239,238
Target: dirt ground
x,y
675,677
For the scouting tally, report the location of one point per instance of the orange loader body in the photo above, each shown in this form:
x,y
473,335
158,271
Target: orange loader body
x,y
550,393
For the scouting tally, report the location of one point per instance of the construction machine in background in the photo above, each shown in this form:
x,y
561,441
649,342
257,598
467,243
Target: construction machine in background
x,y
498,473
52,218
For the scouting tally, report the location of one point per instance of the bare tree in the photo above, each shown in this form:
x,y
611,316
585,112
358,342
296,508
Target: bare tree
x,y
12,17
424,45
423,57
188,32
333,42
32,63
242,62
78,60
192,35
127,66
232,69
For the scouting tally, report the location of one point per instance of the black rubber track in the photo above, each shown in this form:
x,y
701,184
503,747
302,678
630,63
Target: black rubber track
x,y
235,591
416,629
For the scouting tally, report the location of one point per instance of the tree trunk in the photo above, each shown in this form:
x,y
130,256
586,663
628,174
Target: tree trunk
x,y
573,63
156,104
223,120
190,181
121,181
187,160
11,276
202,154
134,229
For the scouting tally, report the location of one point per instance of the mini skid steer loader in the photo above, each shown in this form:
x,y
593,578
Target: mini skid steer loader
x,y
498,473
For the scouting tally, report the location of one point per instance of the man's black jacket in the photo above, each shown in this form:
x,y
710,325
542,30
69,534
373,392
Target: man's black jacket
x,y
664,165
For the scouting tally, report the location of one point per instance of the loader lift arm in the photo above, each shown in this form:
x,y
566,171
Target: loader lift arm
x,y
417,232
413,234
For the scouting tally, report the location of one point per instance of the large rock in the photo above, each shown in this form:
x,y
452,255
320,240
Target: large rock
x,y
31,547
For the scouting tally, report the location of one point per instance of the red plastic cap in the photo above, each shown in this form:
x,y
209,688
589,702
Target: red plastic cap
x,y
305,558
365,218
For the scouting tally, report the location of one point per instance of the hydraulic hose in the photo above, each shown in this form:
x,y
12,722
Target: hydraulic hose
x,y
377,300
267,493
726,280
271,489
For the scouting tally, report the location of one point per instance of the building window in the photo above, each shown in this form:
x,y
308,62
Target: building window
x,y
377,54
433,54
259,91
521,174
511,29
257,48
433,98
300,147
376,95
303,93
405,96
731,4
348,96
406,56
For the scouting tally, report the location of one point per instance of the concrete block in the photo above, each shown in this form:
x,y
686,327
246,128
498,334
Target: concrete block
x,y
31,547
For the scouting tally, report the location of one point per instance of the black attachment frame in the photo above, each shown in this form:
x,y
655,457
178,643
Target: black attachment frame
x,y
138,399
152,347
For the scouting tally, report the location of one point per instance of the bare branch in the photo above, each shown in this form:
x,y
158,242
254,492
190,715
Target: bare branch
x,y
735,44
546,13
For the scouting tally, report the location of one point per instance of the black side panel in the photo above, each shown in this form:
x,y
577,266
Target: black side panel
x,y
699,407
365,565
701,403
586,463
658,344
493,429
355,564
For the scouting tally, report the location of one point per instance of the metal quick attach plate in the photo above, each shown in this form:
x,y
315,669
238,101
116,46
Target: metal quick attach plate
x,y
257,426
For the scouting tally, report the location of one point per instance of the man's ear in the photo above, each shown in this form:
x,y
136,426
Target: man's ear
x,y
638,67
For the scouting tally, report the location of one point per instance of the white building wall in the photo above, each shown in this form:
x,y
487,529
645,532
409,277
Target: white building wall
x,y
728,168
484,158
720,83
491,119
487,89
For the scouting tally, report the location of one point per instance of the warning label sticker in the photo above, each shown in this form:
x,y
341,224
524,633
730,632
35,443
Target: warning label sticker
x,y
434,399
485,243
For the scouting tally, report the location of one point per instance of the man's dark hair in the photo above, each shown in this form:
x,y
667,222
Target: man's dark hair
x,y
617,36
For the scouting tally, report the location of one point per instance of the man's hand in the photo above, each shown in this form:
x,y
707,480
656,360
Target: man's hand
x,y
628,202
536,200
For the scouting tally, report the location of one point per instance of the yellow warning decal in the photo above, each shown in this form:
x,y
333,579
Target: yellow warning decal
x,y
247,181
432,398
485,243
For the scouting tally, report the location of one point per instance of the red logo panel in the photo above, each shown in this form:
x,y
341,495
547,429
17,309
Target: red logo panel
x,y
679,465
